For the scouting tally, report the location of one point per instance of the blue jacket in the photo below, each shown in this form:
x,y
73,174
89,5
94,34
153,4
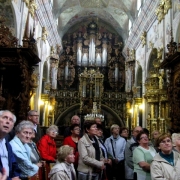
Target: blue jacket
x,y
22,153
14,171
118,145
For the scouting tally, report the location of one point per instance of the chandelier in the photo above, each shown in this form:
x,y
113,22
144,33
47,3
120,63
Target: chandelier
x,y
94,113
91,90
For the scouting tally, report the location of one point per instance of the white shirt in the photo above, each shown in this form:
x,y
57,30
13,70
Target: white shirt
x,y
4,155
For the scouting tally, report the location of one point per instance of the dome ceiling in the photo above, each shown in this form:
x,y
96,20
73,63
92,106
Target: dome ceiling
x,y
116,13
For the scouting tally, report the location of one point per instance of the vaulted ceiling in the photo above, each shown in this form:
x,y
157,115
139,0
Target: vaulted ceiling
x,y
113,13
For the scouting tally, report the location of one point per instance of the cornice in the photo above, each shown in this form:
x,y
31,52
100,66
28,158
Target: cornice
x,y
45,17
142,23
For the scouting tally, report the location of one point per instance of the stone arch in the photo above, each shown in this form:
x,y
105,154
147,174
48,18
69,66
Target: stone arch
x,y
152,57
139,76
74,109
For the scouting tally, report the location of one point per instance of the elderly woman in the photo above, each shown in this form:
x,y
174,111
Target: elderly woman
x,y
22,151
73,141
166,164
64,169
90,156
142,157
47,145
176,142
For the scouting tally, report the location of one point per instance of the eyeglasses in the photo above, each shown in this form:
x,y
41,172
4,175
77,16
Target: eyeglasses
x,y
167,141
77,129
34,115
54,132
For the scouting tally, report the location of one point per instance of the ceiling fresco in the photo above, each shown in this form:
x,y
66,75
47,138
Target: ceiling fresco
x,y
116,13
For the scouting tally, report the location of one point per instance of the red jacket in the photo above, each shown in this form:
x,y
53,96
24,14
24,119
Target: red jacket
x,y
47,148
68,141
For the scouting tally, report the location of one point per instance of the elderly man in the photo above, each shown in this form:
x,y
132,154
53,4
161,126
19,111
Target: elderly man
x,y
7,159
33,116
130,146
74,120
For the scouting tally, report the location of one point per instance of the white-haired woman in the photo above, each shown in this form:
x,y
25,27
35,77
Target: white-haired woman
x,y
47,145
22,151
64,169
176,142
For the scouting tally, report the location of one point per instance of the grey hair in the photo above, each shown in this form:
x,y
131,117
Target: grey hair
x,y
50,128
174,137
24,124
63,152
113,126
2,111
74,116
31,112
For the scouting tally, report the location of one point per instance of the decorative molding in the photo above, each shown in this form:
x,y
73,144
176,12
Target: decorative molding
x,y
45,17
44,34
32,7
163,9
143,38
144,21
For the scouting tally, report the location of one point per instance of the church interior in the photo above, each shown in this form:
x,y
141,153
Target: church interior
x,y
116,59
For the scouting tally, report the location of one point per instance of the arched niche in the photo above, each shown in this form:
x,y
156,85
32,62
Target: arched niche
x,y
111,117
152,57
139,76
45,75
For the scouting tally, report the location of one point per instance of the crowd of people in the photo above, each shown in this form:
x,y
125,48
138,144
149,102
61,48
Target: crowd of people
x,y
87,153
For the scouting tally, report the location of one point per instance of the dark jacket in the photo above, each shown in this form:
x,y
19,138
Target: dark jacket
x,y
14,171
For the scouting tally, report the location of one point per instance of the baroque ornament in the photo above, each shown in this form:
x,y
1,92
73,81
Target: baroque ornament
x,y
143,38
163,9
32,7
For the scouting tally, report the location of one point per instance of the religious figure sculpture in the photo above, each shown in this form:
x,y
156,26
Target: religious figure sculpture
x,y
44,34
32,7
143,38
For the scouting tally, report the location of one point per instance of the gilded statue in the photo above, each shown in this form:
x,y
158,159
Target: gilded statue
x,y
143,38
167,5
159,53
161,82
160,13
34,80
32,7
52,50
132,55
44,34
27,2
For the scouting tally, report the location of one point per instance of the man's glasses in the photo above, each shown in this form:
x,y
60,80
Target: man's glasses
x,y
35,115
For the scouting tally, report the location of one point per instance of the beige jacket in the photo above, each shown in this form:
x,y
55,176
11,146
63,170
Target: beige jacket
x,y
87,162
62,171
163,170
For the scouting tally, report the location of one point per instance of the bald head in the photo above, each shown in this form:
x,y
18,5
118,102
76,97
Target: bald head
x,y
136,131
